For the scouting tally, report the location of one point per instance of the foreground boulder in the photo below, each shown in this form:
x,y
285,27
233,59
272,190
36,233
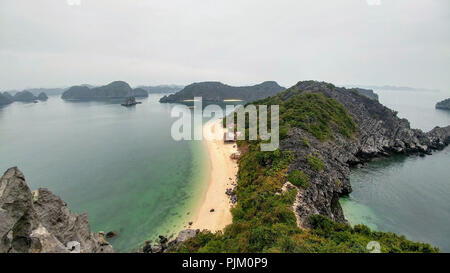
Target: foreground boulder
x,y
39,221
164,245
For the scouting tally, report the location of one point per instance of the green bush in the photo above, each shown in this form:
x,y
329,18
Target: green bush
x,y
284,129
315,163
344,238
299,178
314,113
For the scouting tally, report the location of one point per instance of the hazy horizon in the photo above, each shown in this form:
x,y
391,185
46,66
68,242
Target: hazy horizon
x,y
59,43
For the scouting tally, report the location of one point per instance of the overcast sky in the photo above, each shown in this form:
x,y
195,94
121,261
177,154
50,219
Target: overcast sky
x,y
51,43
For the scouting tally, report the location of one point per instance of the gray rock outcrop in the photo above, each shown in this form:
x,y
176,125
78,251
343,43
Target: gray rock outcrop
x,y
163,244
39,221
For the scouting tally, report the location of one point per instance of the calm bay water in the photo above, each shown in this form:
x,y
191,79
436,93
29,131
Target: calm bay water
x,y
118,164
406,195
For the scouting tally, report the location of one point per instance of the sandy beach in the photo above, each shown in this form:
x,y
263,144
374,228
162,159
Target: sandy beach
x,y
223,175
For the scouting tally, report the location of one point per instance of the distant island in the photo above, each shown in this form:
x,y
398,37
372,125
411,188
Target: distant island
x,y
391,87
47,91
42,96
117,89
23,96
217,91
444,105
162,89
5,99
37,91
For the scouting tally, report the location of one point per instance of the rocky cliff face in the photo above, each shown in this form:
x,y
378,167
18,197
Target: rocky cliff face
x,y
39,221
216,91
379,133
445,105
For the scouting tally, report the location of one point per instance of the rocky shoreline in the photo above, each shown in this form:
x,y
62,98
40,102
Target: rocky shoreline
x,y
163,244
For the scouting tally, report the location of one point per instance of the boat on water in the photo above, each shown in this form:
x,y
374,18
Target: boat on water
x,y
130,101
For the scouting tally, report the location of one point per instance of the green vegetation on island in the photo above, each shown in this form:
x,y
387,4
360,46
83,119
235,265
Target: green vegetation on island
x,y
315,163
312,112
299,178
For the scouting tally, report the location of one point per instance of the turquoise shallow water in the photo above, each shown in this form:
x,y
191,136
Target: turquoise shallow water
x,y
406,195
118,164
